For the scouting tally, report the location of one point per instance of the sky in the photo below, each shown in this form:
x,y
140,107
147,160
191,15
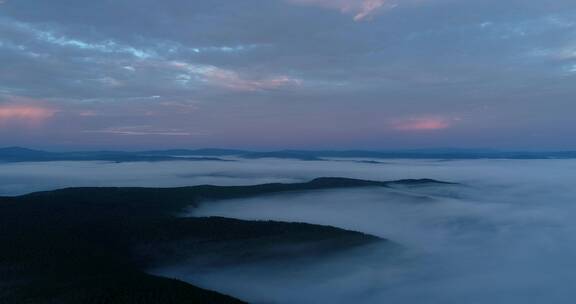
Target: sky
x,y
271,74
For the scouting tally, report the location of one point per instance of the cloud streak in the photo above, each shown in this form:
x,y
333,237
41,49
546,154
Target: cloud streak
x,y
146,131
422,124
230,79
360,9
24,111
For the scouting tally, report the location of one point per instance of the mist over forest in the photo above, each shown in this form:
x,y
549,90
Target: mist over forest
x,y
502,231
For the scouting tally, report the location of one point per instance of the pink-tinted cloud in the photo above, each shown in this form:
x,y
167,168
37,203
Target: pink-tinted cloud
x,y
230,79
233,80
24,111
368,7
361,9
422,124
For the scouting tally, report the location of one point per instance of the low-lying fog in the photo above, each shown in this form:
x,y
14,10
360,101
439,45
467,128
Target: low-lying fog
x,y
471,244
21,178
507,234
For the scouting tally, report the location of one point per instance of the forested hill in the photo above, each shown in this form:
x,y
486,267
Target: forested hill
x,y
93,245
134,201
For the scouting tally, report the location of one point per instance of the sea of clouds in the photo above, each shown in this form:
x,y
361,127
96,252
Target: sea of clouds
x,y
505,234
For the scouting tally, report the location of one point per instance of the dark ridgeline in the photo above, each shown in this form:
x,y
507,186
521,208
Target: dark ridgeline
x,y
18,154
92,245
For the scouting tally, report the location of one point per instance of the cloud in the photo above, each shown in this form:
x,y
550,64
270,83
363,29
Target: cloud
x,y
368,7
146,131
436,59
361,9
130,65
422,124
88,113
233,80
24,111
50,36
230,79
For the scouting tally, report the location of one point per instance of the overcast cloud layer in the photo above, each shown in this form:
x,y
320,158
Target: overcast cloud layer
x,y
287,73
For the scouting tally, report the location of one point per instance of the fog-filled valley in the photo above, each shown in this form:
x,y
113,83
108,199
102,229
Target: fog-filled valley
x,y
25,177
502,231
493,240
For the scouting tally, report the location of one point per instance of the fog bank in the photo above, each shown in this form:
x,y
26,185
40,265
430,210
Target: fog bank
x,y
506,234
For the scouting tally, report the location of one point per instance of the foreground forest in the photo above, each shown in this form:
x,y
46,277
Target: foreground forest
x,y
94,245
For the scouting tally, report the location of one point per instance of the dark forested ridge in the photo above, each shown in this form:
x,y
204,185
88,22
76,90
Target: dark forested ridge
x,y
167,201
19,154
92,245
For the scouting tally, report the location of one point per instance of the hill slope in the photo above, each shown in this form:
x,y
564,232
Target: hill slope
x,y
93,245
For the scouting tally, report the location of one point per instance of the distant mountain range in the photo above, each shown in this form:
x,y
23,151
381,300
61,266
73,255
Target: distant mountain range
x,y
94,245
19,154
392,154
